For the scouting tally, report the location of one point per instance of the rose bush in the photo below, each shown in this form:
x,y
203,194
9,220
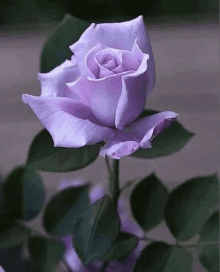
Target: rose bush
x,y
127,225
99,93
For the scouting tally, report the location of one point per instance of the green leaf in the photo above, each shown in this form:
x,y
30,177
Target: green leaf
x,y
160,257
210,230
95,231
209,257
188,206
44,156
7,220
23,193
14,236
123,245
45,254
63,209
148,202
56,49
171,140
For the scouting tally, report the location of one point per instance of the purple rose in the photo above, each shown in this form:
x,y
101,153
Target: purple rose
x,y
99,93
127,225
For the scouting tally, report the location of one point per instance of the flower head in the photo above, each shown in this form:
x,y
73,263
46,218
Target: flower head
x,y
99,94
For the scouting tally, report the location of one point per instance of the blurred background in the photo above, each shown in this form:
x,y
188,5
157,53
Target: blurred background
x,y
37,11
185,40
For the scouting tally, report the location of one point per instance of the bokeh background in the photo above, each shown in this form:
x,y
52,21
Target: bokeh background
x,y
37,11
185,41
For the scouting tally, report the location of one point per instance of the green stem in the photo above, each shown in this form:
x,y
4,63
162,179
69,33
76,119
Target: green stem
x,y
115,188
109,167
114,191
113,180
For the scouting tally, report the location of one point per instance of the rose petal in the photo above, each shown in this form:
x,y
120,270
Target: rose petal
x,y
96,193
64,184
133,96
130,61
71,256
115,52
119,146
150,76
73,260
53,84
101,95
116,35
155,124
81,89
104,61
127,224
92,67
70,122
138,134
117,66
110,64
104,72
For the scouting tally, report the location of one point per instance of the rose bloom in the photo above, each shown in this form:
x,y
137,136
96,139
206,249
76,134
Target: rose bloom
x,y
127,225
98,94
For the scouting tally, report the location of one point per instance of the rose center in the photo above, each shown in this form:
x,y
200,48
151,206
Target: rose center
x,y
106,60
